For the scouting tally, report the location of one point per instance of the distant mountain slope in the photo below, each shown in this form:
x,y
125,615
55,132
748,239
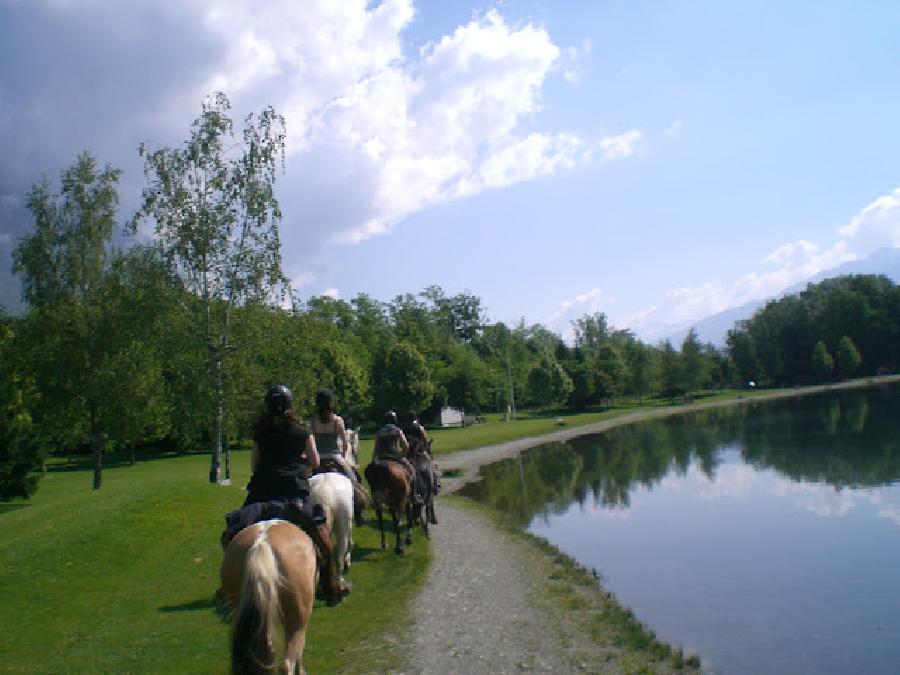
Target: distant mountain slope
x,y
715,327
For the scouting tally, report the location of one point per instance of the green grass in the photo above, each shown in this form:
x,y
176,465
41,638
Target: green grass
x,y
122,579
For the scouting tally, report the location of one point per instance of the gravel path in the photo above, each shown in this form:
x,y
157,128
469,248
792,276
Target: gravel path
x,y
474,614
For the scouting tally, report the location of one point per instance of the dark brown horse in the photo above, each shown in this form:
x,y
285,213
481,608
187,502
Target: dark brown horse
x,y
420,457
390,487
269,578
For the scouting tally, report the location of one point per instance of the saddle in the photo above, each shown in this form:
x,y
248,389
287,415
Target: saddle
x,y
302,513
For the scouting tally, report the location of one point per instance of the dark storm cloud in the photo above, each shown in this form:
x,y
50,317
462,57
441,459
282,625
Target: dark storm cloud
x,y
99,77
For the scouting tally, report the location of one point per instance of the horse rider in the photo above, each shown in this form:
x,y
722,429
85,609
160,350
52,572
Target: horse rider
x,y
332,443
283,453
414,429
415,433
387,439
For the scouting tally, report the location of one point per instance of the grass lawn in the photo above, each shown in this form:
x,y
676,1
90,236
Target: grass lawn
x,y
122,579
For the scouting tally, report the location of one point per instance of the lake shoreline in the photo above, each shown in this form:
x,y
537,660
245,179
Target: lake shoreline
x,y
463,466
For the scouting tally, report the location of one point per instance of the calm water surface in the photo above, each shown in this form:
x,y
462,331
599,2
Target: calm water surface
x,y
765,537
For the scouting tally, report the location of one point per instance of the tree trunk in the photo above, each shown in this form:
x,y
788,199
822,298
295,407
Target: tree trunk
x,y
97,447
227,457
215,469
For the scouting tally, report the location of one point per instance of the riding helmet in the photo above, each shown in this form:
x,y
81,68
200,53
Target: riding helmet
x,y
390,417
278,399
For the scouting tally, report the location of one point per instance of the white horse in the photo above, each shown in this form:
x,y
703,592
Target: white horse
x,y
352,452
335,494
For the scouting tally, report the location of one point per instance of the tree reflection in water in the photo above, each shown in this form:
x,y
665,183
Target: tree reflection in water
x,y
845,440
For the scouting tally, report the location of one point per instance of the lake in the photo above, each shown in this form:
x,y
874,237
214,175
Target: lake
x,y
764,537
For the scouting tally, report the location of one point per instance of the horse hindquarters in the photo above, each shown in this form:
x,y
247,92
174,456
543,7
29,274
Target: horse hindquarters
x,y
269,572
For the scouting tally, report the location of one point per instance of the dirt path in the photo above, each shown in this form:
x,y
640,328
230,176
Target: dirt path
x,y
484,607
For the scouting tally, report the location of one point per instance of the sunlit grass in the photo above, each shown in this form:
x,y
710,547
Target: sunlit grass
x,y
122,579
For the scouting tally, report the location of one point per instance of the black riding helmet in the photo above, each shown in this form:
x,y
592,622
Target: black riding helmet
x,y
390,417
278,399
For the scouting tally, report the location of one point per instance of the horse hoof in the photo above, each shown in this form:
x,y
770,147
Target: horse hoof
x,y
383,547
399,551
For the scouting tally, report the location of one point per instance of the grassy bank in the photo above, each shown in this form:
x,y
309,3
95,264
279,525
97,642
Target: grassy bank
x,y
122,579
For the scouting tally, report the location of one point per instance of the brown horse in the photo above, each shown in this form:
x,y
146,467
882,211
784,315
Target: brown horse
x,y
269,577
390,487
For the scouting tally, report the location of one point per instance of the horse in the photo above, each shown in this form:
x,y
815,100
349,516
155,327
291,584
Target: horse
x,y
390,487
269,576
420,456
353,455
334,492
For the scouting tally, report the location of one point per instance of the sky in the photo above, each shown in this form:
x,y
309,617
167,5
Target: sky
x,y
655,161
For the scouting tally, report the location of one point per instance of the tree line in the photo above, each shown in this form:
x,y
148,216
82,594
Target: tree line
x,y
167,330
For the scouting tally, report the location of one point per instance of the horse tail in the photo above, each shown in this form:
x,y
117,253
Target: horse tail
x,y
257,614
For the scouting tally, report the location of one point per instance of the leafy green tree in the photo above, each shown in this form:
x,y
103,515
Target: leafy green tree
x,y
466,379
822,362
849,358
642,370
548,382
216,222
694,366
22,448
671,380
742,353
406,382
610,372
64,266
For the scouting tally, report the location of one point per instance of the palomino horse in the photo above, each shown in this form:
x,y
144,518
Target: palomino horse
x,y
269,577
334,492
390,487
420,457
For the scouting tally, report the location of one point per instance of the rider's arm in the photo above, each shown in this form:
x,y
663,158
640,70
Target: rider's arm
x,y
312,455
404,443
254,458
424,431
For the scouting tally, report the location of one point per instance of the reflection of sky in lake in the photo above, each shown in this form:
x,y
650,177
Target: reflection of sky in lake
x,y
755,571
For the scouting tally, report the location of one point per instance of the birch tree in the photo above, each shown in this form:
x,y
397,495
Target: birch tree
x,y
216,219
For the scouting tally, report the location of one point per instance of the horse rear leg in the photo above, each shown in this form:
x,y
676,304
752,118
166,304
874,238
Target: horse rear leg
x,y
398,527
380,524
409,524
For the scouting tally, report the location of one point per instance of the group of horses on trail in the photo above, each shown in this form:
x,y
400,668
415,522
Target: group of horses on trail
x,y
269,570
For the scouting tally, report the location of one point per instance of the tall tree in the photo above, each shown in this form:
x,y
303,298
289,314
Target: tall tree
x,y
822,362
216,222
406,381
64,264
694,366
848,357
22,447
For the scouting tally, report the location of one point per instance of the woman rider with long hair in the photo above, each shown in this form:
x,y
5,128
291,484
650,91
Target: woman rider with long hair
x,y
332,442
283,453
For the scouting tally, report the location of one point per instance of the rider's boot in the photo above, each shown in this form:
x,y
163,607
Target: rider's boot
x,y
333,589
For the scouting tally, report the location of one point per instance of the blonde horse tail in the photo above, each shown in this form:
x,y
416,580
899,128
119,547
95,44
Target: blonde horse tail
x,y
258,613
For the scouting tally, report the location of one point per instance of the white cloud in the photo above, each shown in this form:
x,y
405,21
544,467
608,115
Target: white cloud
x,y
875,226
570,309
621,146
376,131
333,293
572,59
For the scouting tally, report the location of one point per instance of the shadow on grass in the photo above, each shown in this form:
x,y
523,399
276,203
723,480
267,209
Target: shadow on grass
x,y
219,607
9,508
